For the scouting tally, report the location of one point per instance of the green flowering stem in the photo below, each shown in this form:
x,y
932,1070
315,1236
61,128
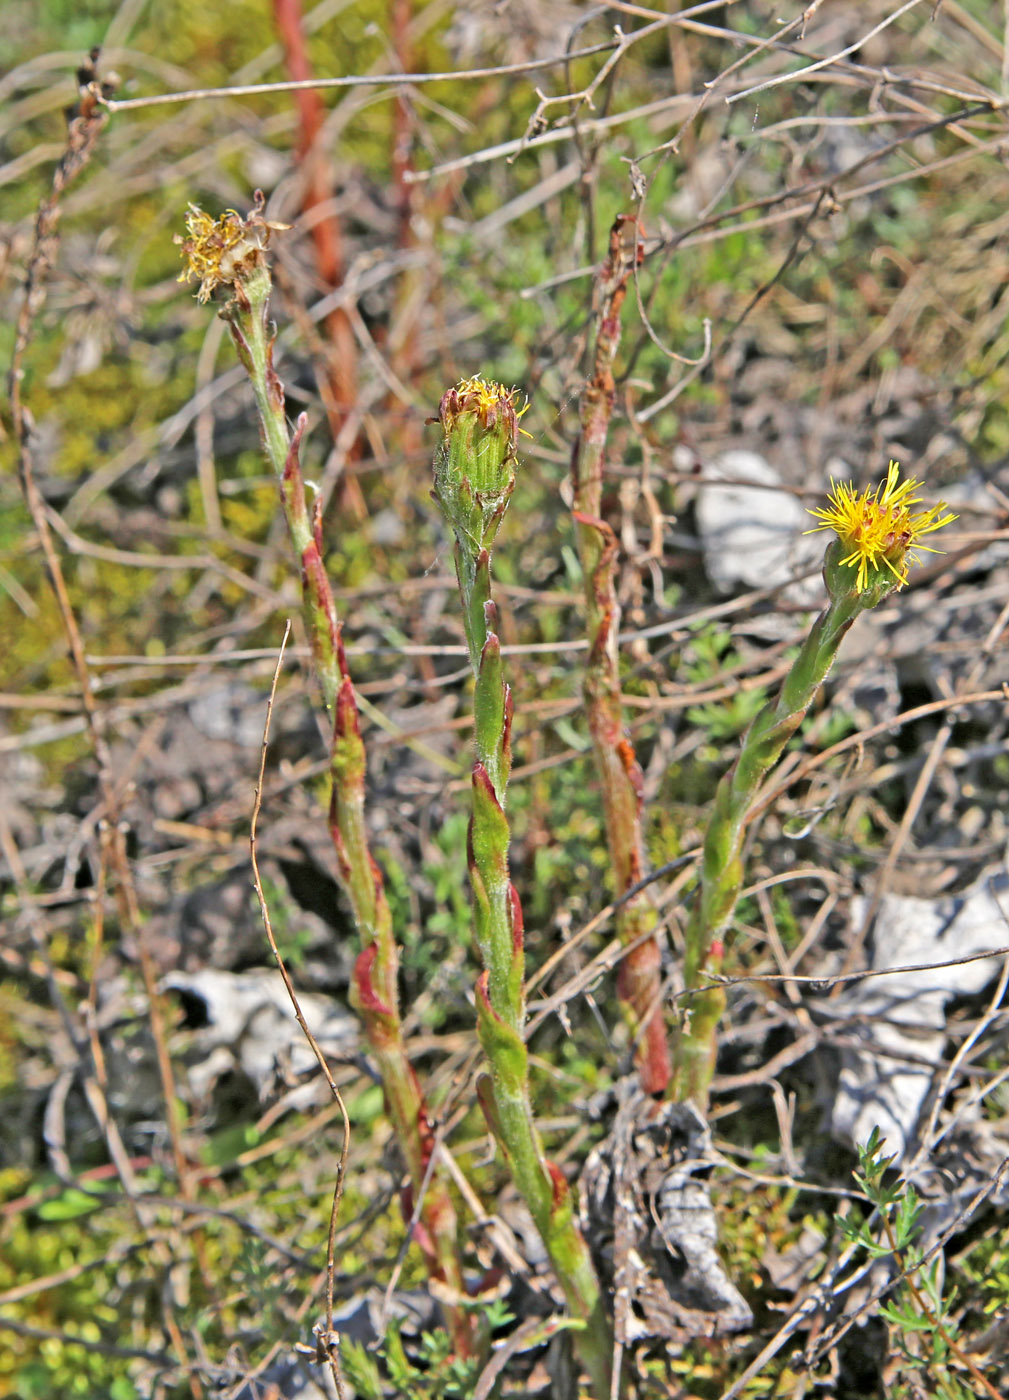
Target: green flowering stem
x,y
474,475
375,996
247,317
878,535
231,252
721,864
639,982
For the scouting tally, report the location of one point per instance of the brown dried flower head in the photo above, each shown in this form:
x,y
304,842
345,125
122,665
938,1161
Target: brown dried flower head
x,y
226,251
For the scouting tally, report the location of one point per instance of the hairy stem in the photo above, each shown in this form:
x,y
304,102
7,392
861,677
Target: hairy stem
x,y
374,991
722,865
474,477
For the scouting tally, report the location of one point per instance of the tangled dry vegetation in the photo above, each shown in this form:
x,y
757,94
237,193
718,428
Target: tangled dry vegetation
x,y
823,194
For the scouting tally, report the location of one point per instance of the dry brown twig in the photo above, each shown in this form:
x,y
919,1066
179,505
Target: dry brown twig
x,y
85,127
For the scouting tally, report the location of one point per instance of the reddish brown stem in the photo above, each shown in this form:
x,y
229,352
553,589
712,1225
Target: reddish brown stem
x,y
400,12
414,287
639,984
324,230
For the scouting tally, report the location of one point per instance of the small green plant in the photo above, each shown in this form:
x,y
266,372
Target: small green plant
x,y
711,655
429,1370
919,1313
264,1288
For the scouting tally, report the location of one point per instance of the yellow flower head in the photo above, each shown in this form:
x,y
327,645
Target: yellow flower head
x,y
879,528
220,252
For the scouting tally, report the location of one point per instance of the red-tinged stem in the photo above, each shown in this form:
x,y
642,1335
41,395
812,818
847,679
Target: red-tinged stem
x,y
474,477
639,984
374,990
542,1185
323,225
375,996
412,298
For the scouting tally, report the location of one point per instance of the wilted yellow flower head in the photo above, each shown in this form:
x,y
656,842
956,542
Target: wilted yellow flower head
x,y
489,401
221,252
879,528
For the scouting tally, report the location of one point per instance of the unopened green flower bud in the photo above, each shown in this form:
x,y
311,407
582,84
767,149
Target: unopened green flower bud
x,y
474,464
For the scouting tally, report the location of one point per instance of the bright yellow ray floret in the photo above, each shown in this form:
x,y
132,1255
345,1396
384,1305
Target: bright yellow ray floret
x,y
880,527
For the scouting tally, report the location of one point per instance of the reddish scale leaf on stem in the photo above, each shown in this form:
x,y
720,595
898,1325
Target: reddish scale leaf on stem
x,y
348,720
341,656
317,584
637,981
292,483
317,523
632,768
506,729
483,995
340,847
274,388
485,1095
637,970
369,1000
483,790
655,1063
559,1184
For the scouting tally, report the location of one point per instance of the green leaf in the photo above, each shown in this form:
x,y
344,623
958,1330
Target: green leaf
x,y
366,1107
69,1205
227,1146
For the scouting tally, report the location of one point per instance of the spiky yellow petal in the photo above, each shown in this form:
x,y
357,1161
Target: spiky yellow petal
x,y
879,529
